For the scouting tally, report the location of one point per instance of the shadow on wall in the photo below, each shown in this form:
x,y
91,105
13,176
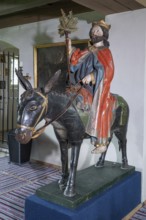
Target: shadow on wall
x,y
41,37
90,16
45,146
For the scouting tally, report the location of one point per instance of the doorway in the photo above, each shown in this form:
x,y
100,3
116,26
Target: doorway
x,y
9,93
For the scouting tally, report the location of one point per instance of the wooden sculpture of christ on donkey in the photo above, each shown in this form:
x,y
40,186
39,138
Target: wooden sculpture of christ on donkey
x,y
90,73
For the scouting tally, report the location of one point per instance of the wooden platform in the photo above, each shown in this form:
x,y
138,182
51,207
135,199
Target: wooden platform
x,y
113,203
90,182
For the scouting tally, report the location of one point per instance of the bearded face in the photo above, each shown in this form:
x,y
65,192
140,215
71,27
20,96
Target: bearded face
x,y
96,39
96,34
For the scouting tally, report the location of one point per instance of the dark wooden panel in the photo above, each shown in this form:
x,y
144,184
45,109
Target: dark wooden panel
x,y
41,13
113,5
130,4
12,6
110,6
96,6
52,9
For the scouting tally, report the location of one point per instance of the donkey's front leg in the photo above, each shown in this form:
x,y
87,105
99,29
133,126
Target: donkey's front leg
x,y
100,162
70,188
64,160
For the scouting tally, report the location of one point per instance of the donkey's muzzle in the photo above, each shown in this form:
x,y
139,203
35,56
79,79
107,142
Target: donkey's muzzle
x,y
23,136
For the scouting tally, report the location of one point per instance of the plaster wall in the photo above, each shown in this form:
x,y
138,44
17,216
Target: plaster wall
x,y
127,39
128,44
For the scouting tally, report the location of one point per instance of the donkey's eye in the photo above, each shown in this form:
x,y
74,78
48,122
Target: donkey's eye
x,y
33,108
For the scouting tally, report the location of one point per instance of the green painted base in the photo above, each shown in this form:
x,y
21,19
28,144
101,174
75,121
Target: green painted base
x,y
90,182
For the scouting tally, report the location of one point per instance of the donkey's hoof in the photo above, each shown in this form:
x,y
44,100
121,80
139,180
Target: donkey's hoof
x,y
125,166
69,192
99,164
62,184
61,187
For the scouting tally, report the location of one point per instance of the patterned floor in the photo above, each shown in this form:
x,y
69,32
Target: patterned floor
x,y
19,181
139,213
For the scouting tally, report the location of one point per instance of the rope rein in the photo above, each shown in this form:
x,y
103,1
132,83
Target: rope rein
x,y
39,131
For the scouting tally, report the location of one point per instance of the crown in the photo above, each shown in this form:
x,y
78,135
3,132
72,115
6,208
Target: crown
x,y
102,23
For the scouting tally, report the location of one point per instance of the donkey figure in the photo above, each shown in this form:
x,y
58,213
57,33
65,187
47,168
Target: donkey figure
x,y
57,109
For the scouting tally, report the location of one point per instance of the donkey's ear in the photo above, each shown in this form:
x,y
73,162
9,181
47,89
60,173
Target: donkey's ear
x,y
52,81
24,82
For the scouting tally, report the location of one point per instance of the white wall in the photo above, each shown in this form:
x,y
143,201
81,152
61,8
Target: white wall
x,y
127,38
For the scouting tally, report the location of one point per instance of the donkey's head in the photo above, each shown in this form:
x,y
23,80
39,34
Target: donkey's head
x,y
32,108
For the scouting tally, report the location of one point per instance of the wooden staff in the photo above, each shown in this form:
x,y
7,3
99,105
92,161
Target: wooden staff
x,y
67,26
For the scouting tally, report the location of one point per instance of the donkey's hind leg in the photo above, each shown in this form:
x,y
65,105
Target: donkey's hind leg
x,y
122,140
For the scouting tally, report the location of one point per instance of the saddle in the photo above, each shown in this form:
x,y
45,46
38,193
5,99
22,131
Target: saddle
x,y
82,102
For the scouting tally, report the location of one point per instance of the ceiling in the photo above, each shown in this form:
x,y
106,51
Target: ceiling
x,y
17,12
